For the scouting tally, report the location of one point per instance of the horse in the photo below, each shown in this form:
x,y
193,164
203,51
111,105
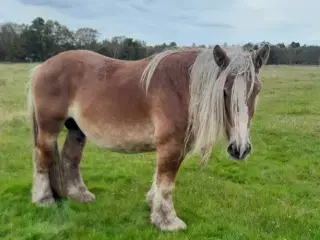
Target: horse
x,y
177,102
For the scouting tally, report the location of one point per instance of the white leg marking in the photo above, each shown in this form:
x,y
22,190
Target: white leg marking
x,y
78,191
163,214
41,189
152,191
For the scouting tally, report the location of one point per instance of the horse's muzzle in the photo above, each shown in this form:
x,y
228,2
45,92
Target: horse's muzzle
x,y
235,152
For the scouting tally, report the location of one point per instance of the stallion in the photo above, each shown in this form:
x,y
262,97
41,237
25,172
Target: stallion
x,y
176,102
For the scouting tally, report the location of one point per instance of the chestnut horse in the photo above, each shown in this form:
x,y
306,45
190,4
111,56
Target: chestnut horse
x,y
176,102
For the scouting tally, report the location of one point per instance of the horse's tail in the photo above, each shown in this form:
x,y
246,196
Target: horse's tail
x,y
31,108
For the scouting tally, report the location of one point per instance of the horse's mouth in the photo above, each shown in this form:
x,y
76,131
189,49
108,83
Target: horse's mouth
x,y
237,159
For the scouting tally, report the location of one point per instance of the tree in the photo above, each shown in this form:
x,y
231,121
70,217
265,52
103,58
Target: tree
x,y
281,45
86,37
117,45
11,43
294,45
42,39
173,44
248,46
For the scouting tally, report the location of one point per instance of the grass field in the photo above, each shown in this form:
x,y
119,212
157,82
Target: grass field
x,y
275,195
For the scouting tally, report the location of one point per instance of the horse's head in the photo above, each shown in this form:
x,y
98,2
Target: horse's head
x,y
242,86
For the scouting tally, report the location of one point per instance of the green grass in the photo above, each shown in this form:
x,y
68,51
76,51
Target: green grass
x,y
275,195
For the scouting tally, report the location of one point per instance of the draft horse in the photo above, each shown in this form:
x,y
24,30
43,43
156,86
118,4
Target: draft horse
x,y
175,102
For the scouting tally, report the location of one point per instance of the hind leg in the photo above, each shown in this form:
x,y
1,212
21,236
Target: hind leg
x,y
44,155
71,155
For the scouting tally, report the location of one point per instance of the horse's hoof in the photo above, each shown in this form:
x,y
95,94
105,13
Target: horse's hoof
x,y
82,197
44,202
174,224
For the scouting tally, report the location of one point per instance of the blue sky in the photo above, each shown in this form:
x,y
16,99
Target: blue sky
x,y
182,21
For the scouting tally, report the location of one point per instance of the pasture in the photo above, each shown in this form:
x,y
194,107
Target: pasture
x,y
274,195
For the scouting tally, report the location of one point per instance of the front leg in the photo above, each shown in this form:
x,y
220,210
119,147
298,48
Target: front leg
x,y
159,198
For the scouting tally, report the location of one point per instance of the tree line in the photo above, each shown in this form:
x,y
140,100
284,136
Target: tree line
x,y
42,39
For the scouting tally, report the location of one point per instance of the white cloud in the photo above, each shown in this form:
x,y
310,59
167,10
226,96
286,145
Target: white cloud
x,y
183,21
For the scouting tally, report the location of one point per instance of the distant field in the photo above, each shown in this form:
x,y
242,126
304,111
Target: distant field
x,y
275,195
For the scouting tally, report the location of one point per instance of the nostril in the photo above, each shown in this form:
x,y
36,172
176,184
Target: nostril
x,y
247,151
230,149
235,152
249,148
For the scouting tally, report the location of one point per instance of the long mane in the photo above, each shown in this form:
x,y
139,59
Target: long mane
x,y
207,118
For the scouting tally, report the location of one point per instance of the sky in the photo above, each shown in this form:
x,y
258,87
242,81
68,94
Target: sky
x,y
182,21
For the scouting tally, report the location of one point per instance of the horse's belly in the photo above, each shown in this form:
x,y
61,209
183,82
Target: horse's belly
x,y
127,138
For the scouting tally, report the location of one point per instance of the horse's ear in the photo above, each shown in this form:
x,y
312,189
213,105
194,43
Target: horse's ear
x,y
220,57
260,56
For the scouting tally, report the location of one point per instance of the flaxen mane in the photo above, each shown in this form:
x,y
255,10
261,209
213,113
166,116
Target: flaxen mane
x,y
206,123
